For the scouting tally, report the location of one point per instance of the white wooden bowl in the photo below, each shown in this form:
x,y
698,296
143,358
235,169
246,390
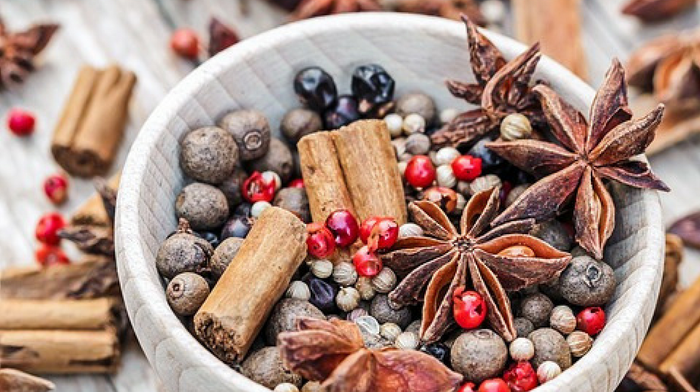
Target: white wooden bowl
x,y
420,53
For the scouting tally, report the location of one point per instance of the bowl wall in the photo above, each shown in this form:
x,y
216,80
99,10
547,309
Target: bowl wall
x,y
420,53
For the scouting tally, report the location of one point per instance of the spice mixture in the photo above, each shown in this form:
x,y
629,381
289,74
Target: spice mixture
x,y
387,244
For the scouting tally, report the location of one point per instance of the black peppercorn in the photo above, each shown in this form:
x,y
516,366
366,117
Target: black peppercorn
x,y
342,113
277,159
238,227
315,88
322,293
298,123
489,159
294,200
231,187
437,350
183,252
372,86
243,210
204,206
251,131
212,238
208,154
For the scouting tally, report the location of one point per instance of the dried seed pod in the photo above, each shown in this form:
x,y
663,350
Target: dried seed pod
x,y
251,131
265,367
208,154
446,176
284,315
347,299
278,159
521,349
523,326
416,103
550,345
547,371
364,287
394,122
413,123
579,343
563,319
536,308
300,122
390,331
446,155
587,282
322,268
286,387
204,206
515,193
479,354
345,274
382,310
410,230
447,115
384,281
186,293
298,290
224,254
356,313
484,183
407,341
515,126
418,144
368,324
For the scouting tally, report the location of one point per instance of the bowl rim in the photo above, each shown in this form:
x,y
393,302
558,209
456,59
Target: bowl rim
x,y
131,258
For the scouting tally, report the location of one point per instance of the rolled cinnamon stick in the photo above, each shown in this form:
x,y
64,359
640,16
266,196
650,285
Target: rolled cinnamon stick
x,y
678,322
235,311
93,212
91,127
60,351
686,357
95,314
18,381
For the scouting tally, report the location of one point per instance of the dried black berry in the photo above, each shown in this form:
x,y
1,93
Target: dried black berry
x,y
489,160
343,113
243,210
212,238
372,86
315,88
238,226
437,350
322,293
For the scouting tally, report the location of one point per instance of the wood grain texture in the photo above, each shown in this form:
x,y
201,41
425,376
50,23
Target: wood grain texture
x,y
266,64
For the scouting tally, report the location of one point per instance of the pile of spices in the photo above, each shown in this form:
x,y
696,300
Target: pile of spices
x,y
422,249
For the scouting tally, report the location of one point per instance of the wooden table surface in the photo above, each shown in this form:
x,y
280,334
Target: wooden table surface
x,y
135,33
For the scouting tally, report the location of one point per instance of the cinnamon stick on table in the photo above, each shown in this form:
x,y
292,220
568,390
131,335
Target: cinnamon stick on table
x,y
235,311
87,137
93,211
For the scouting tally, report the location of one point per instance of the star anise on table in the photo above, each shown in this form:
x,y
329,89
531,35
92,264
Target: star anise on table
x,y
311,8
501,88
587,154
333,352
669,66
489,260
17,51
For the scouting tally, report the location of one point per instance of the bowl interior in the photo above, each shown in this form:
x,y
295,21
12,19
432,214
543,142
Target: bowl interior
x,y
420,53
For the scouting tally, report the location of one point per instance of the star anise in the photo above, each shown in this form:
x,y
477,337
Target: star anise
x,y
656,10
310,8
587,154
501,88
17,51
490,260
669,66
334,352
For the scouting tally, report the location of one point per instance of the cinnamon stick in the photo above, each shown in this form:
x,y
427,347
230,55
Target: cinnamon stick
x,y
93,211
670,331
556,25
678,382
235,311
60,351
95,314
686,357
87,136
17,381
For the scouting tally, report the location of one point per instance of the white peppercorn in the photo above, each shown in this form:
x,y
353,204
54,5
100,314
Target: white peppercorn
x,y
410,230
418,144
322,268
521,349
348,298
390,331
579,343
312,386
402,167
563,319
364,287
484,183
394,122
299,290
494,11
446,155
407,341
446,176
413,123
286,387
547,371
384,281
368,324
461,203
258,207
447,115
515,126
345,274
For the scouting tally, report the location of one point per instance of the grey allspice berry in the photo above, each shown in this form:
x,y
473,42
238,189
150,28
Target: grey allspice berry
x,y
183,252
284,315
479,354
251,131
418,103
300,122
278,159
224,254
204,206
523,326
384,313
550,345
295,201
186,293
208,154
232,185
265,367
553,233
418,144
587,282
536,308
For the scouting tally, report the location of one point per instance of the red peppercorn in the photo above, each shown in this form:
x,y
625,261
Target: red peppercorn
x,y
383,232
467,387
466,167
296,183
256,188
56,188
320,241
366,262
48,255
521,377
591,320
344,226
420,171
469,308
494,385
47,228
366,228
444,197
20,122
185,42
